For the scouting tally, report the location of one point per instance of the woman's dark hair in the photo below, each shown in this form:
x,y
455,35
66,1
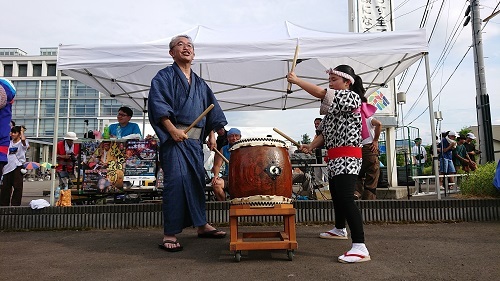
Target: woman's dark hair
x,y
357,86
15,129
12,123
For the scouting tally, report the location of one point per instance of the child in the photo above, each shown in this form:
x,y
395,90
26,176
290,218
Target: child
x,y
11,190
341,135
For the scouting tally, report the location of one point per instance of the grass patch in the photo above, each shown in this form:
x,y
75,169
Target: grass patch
x,y
480,182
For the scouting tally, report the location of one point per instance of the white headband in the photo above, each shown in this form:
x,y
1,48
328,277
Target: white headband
x,y
341,74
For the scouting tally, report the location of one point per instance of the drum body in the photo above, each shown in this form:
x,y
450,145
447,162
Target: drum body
x,y
260,166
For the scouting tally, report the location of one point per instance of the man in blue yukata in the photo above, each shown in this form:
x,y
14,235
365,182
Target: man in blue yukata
x,y
177,97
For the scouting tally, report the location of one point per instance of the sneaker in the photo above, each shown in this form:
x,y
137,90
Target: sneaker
x,y
334,234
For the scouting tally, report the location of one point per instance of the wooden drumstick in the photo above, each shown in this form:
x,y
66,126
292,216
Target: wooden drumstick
x,y
286,137
199,118
294,63
222,156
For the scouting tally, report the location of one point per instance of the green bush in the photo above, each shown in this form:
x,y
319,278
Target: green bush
x,y
480,182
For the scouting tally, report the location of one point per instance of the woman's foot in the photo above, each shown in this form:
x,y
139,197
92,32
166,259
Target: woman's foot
x,y
358,253
335,233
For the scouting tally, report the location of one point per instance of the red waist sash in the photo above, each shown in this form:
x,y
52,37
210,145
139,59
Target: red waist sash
x,y
345,151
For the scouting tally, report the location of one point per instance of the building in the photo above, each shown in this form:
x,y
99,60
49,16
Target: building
x,y
34,107
35,80
495,130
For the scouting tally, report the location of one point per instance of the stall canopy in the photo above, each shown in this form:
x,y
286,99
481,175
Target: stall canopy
x,y
246,68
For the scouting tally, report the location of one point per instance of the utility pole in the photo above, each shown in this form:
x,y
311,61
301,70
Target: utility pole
x,y
482,98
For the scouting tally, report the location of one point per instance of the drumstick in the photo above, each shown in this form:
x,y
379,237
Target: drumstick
x,y
286,137
222,156
294,63
199,118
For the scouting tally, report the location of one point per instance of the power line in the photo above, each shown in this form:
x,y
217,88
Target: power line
x,y
449,78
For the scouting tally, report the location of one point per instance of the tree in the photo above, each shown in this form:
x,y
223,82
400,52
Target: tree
x,y
464,131
305,139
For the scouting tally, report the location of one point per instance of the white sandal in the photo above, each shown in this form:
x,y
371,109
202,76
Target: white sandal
x,y
353,258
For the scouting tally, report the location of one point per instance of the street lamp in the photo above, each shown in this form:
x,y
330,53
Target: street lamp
x,y
401,99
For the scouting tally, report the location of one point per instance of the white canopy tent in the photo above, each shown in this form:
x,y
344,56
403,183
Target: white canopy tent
x,y
246,68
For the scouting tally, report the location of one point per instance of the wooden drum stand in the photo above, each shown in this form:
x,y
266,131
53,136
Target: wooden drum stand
x,y
287,237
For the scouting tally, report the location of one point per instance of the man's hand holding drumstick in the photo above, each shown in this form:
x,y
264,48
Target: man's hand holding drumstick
x,y
179,135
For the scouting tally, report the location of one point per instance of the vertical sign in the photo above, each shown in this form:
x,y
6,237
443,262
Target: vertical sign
x,y
376,16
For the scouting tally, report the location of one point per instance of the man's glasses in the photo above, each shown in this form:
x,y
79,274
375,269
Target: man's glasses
x,y
122,115
182,44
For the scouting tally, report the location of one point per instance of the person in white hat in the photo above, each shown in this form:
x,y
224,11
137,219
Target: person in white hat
x,y
446,147
471,150
67,152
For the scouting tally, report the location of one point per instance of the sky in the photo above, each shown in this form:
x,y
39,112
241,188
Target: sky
x,y
33,24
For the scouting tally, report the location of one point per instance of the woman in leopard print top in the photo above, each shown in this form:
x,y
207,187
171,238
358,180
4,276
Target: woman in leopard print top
x,y
341,135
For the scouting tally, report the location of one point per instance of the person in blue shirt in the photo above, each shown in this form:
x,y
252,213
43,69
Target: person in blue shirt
x,y
124,127
220,184
445,149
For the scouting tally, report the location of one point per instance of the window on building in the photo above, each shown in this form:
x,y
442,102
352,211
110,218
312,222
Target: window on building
x,y
64,88
81,90
83,107
7,70
37,70
48,89
51,70
63,108
109,107
26,89
24,108
46,127
63,127
47,108
23,70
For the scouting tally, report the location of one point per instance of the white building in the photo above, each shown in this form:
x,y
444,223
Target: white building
x,y
34,107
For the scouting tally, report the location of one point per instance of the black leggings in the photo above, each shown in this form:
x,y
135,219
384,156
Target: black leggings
x,y
342,190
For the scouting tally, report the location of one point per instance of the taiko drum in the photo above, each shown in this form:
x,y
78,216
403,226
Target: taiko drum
x,y
260,166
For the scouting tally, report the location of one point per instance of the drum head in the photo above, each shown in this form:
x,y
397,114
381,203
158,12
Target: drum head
x,y
258,142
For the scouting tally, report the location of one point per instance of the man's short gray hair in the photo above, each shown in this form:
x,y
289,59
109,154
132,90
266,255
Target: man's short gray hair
x,y
174,40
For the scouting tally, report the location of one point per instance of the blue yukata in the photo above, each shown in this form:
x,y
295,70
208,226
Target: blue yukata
x,y
120,132
182,162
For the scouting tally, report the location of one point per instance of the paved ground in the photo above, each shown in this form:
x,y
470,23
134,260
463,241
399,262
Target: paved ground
x,y
454,251
461,251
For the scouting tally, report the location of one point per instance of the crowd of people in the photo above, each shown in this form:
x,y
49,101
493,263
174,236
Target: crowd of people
x,y
456,152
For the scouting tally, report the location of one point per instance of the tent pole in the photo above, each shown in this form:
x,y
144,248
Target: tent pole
x,y
435,161
144,111
54,139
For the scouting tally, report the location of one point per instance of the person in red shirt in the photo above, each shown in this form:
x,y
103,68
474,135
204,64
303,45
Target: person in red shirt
x,y
67,152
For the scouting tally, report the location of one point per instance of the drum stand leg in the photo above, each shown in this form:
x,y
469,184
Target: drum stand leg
x,y
286,239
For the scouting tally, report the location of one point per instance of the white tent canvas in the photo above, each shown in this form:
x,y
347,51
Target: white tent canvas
x,y
246,69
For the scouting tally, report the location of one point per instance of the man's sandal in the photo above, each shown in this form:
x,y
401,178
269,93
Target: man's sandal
x,y
174,249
